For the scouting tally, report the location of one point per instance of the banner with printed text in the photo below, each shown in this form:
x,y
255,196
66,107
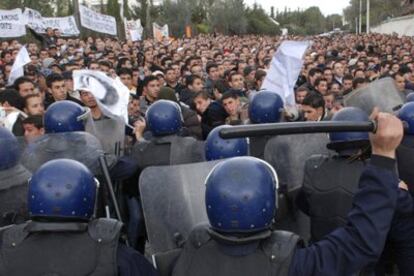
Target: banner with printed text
x,y
12,23
97,22
39,24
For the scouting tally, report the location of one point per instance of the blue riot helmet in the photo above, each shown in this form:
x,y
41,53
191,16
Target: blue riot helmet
x,y
164,118
410,97
219,148
241,195
349,140
9,149
266,107
406,115
65,116
62,189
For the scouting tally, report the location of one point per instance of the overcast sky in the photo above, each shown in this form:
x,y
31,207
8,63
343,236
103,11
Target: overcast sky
x,y
327,6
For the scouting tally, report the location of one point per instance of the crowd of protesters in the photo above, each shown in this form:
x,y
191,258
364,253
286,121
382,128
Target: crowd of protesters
x,y
213,78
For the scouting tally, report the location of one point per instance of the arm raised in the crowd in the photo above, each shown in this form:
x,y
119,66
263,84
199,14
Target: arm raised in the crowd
x,y
348,249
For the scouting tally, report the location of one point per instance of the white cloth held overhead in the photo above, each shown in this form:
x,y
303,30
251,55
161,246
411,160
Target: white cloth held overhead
x,y
111,94
21,60
285,69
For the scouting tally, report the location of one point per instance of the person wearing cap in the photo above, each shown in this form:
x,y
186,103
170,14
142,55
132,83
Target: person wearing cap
x,y
160,76
53,51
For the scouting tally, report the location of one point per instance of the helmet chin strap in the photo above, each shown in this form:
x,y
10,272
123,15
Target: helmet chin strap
x,y
85,115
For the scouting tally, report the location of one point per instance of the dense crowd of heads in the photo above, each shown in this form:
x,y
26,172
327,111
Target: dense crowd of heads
x,y
214,76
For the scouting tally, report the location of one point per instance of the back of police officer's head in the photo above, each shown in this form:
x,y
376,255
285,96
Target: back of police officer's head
x,y
217,148
164,118
348,141
62,190
9,149
406,115
241,196
64,116
266,107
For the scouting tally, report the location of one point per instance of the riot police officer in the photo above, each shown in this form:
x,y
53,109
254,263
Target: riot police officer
x,y
218,148
330,182
63,238
13,181
166,147
265,107
241,203
406,150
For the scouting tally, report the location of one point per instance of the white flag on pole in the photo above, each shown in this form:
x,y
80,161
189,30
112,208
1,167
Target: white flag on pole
x,y
112,95
21,60
285,69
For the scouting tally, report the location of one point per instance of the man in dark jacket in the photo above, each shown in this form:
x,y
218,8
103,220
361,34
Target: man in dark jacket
x,y
212,112
58,90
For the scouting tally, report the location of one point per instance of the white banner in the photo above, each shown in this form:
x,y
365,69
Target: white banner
x,y
12,23
133,29
160,32
112,94
21,60
285,69
35,21
97,22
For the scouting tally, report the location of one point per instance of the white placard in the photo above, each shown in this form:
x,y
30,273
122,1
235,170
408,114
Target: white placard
x,y
133,29
160,32
12,23
96,21
35,21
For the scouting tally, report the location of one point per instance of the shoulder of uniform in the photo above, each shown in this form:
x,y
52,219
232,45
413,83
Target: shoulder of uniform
x,y
104,230
199,235
13,235
315,161
281,245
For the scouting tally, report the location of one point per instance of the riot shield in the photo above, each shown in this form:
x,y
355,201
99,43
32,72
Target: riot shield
x,y
173,202
381,93
288,155
185,150
111,133
79,146
15,176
